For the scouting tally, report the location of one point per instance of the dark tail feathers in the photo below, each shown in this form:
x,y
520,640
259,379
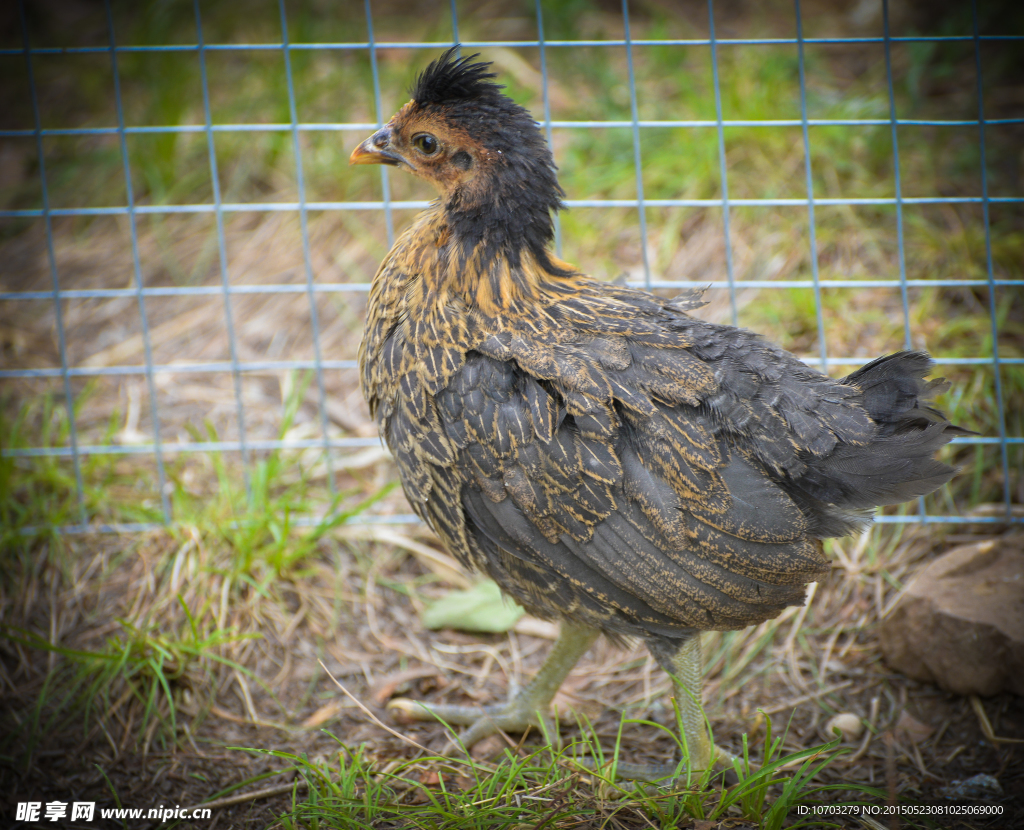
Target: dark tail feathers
x,y
898,464
893,389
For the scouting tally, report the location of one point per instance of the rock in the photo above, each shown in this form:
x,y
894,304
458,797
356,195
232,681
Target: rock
x,y
960,622
849,725
977,788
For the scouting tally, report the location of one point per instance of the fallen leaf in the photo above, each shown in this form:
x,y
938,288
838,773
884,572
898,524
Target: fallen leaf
x,y
430,778
321,715
912,729
489,748
480,608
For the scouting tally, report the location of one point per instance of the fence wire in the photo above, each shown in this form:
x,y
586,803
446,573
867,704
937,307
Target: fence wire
x,y
158,449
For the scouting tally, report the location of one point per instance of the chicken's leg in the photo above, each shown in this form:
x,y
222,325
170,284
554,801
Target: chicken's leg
x,y
529,707
682,662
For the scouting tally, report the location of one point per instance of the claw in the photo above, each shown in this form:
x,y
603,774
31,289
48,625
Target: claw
x,y
528,708
405,710
482,722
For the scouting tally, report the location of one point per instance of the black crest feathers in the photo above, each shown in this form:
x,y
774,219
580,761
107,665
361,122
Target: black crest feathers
x,y
513,212
451,78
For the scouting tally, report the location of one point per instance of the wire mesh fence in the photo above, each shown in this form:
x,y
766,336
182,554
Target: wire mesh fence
x,y
992,282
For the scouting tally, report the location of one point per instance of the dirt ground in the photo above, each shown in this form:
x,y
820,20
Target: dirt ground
x,y
367,635
354,602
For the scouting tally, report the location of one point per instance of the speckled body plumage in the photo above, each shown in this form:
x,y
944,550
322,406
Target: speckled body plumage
x,y
607,458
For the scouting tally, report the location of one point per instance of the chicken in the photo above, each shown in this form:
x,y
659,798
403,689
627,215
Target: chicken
x,y
609,460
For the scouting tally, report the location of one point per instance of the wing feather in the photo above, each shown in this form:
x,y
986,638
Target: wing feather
x,y
635,469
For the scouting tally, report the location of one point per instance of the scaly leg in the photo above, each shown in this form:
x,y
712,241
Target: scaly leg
x,y
529,707
682,662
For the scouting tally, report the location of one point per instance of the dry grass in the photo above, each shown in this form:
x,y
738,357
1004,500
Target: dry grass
x,y
173,647
354,612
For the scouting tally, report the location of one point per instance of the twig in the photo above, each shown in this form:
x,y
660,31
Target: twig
x,y
796,701
890,778
869,733
246,696
224,714
370,714
241,798
986,724
794,669
439,563
533,794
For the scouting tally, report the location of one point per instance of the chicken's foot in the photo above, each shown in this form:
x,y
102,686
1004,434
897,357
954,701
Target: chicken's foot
x,y
529,707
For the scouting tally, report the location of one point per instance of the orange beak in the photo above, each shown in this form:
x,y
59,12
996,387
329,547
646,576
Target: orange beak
x,y
375,150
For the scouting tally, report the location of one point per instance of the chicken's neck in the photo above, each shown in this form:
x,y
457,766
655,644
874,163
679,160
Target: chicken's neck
x,y
506,212
495,273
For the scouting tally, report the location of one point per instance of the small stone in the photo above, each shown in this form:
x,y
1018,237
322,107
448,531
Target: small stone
x,y
849,725
977,788
960,622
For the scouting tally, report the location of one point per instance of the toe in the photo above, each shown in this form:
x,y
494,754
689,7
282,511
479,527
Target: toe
x,y
406,710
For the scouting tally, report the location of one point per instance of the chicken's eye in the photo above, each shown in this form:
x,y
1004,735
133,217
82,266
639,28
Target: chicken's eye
x,y
426,143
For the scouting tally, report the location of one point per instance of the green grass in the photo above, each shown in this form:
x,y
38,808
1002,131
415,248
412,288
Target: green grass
x,y
40,492
252,509
256,541
147,664
264,534
546,787
272,520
